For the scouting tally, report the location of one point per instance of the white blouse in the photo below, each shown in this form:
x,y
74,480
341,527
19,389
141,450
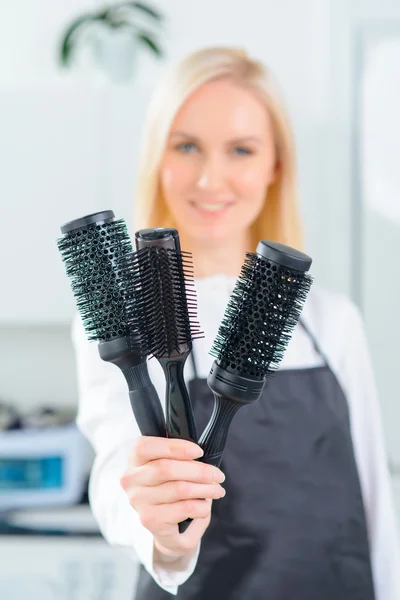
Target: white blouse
x,y
105,418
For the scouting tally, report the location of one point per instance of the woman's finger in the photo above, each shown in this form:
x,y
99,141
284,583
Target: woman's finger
x,y
149,448
173,491
163,470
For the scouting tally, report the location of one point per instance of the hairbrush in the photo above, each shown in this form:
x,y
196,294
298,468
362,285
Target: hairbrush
x,y
258,323
157,281
89,246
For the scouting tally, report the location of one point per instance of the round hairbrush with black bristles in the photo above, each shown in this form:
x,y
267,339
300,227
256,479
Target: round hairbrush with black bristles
x,y
89,247
261,315
157,283
259,320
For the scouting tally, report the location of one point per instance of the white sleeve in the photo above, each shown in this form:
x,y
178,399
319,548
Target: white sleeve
x,y
106,419
367,432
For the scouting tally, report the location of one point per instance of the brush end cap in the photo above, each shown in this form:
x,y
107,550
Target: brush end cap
x,y
98,217
284,255
164,237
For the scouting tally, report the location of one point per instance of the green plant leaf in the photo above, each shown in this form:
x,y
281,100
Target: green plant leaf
x,y
126,25
150,42
151,12
67,41
147,9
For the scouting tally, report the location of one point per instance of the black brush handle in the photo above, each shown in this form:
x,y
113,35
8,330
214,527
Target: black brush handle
x,y
213,438
178,408
230,393
179,413
148,412
145,402
123,352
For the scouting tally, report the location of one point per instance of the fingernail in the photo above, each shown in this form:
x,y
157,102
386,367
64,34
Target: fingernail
x,y
218,475
195,452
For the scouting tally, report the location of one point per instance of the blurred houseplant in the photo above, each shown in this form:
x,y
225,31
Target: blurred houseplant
x,y
115,34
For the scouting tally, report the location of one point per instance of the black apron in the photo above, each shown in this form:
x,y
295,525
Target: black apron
x,y
292,523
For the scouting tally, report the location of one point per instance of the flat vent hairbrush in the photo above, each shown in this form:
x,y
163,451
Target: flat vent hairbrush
x,y
89,246
259,320
158,288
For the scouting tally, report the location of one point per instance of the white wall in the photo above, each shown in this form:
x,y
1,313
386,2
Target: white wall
x,y
374,239
37,366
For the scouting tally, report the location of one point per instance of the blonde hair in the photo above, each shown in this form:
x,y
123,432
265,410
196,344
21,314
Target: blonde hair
x,y
279,219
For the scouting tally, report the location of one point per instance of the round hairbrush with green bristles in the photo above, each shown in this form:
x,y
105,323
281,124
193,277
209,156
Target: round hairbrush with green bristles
x,y
89,247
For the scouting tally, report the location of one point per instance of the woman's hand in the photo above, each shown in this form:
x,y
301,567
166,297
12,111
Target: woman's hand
x,y
164,483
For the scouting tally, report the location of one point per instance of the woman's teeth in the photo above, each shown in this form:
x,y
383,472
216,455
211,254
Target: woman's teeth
x,y
210,207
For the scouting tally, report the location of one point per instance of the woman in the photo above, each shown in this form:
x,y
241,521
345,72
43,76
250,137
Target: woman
x,y
307,512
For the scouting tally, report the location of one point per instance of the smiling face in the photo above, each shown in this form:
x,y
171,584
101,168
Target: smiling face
x,y
218,162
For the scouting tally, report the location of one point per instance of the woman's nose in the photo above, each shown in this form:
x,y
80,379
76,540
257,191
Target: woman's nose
x,y
211,176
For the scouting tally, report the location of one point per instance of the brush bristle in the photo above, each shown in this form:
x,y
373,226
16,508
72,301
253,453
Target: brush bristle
x,y
158,287
88,253
263,310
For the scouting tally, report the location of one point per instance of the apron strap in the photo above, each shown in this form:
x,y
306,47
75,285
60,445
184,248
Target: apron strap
x,y
316,345
193,361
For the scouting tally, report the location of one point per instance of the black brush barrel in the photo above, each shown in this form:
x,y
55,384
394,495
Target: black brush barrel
x,y
88,247
263,310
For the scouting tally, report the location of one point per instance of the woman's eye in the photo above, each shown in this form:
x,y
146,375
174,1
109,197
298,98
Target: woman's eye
x,y
241,151
186,148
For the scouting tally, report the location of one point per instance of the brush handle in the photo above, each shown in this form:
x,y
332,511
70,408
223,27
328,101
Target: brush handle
x,y
124,352
178,408
144,399
148,412
230,393
213,438
179,413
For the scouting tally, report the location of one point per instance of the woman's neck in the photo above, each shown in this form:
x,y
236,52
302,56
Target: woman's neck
x,y
217,258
